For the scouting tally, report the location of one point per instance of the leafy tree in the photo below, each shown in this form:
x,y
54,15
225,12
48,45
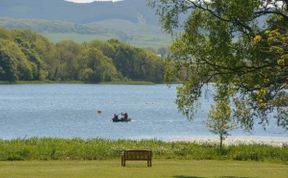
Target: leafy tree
x,y
106,47
96,67
4,34
36,48
220,121
133,63
67,64
88,74
14,63
123,58
223,41
153,67
8,65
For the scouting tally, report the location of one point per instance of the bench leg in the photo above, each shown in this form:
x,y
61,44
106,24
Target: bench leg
x,y
149,163
122,161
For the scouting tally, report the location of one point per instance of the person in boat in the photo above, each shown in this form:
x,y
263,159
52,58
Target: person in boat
x,y
125,115
115,117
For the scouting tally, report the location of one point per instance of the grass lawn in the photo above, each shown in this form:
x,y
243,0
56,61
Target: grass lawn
x,y
160,168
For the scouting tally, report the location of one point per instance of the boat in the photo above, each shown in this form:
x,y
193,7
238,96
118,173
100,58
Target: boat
x,y
121,120
98,111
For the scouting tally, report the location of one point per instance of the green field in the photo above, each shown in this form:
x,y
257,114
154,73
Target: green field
x,y
139,35
160,168
138,41
57,37
100,158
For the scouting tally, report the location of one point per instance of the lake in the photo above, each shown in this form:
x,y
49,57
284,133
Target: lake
x,y
69,110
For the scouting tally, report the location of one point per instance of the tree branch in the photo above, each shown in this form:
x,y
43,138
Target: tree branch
x,y
248,30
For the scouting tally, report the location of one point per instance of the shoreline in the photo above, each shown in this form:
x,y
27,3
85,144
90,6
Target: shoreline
x,y
229,141
130,82
234,140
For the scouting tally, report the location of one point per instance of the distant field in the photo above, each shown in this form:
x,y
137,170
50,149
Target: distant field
x,y
140,35
56,37
141,41
159,169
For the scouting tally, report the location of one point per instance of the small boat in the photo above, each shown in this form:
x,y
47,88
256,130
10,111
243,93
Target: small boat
x,y
121,120
98,111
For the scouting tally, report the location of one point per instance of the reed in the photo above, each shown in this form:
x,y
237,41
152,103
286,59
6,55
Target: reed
x,y
103,149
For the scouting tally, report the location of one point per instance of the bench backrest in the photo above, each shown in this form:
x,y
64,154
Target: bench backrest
x,y
137,154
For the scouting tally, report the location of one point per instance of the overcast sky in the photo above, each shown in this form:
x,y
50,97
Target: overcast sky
x,y
88,1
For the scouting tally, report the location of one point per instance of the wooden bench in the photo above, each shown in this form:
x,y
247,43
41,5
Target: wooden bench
x,y
137,155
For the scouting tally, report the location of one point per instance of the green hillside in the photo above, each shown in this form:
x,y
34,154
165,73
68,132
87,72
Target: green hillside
x,y
131,21
142,41
132,10
140,35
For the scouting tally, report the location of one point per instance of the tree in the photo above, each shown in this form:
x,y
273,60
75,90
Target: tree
x,y
37,49
67,67
133,63
223,41
220,121
96,67
13,62
8,66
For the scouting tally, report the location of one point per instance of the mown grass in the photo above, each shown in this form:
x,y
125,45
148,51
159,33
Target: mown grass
x,y
102,149
159,169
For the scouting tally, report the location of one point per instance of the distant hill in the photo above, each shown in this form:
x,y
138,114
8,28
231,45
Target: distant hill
x,y
130,21
131,10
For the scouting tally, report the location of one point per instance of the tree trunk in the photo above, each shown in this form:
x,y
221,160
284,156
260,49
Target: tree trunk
x,y
221,141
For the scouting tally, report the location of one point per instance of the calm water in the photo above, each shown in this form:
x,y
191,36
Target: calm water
x,y
69,110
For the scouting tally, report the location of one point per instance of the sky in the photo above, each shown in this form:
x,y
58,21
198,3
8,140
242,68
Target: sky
x,y
89,1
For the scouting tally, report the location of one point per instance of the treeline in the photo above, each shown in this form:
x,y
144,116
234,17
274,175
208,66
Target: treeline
x,y
27,56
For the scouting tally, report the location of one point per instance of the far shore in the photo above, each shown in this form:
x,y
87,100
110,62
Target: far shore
x,y
81,82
